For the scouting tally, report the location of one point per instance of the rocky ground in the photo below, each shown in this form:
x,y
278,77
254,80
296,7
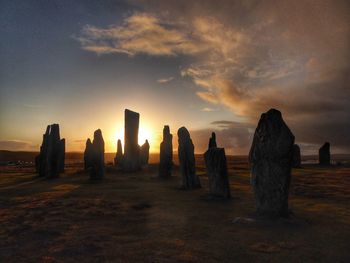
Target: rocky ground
x,y
137,217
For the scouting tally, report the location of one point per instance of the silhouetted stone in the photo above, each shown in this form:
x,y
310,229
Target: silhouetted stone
x,y
324,155
50,162
212,141
296,156
216,168
166,154
187,160
144,153
97,156
88,154
62,154
118,159
271,157
131,158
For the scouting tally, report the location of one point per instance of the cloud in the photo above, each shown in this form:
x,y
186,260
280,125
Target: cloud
x,y
206,109
235,137
140,33
165,80
250,56
16,145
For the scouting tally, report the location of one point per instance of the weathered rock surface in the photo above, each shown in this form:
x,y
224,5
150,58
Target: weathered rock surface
x,y
50,161
187,160
118,159
166,154
97,156
131,158
144,153
324,154
88,154
212,141
271,159
216,168
296,156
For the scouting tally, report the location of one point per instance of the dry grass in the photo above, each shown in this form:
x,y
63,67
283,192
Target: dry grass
x,y
137,217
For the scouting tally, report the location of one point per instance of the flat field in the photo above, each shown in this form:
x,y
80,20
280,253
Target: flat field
x,y
137,217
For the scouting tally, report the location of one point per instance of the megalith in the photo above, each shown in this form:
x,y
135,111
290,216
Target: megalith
x,y
118,159
144,153
50,161
97,156
212,141
216,168
166,154
271,160
88,154
296,156
131,158
324,155
187,160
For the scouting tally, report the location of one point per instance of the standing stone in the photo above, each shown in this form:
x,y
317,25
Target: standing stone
x,y
131,160
212,141
271,159
216,168
166,154
324,155
296,156
118,159
62,154
144,153
88,154
50,162
97,156
187,160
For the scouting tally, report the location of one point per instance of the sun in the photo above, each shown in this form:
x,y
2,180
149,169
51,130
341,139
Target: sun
x,y
145,133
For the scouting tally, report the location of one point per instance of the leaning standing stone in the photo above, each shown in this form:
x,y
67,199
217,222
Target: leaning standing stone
x,y
271,157
216,168
187,160
324,155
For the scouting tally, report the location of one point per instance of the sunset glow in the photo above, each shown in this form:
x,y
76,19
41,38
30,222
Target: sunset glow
x,y
145,133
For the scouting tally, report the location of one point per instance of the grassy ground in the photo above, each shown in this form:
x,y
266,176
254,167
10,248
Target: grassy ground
x,y
137,217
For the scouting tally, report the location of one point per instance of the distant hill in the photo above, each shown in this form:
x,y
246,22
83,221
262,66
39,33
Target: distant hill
x,y
74,157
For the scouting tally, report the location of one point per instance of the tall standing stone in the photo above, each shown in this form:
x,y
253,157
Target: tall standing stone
x,y
50,162
216,168
97,156
88,154
131,160
144,153
271,159
166,154
324,154
296,156
118,159
187,160
212,141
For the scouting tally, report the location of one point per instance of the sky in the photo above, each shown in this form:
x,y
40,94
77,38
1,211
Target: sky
x,y
206,65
